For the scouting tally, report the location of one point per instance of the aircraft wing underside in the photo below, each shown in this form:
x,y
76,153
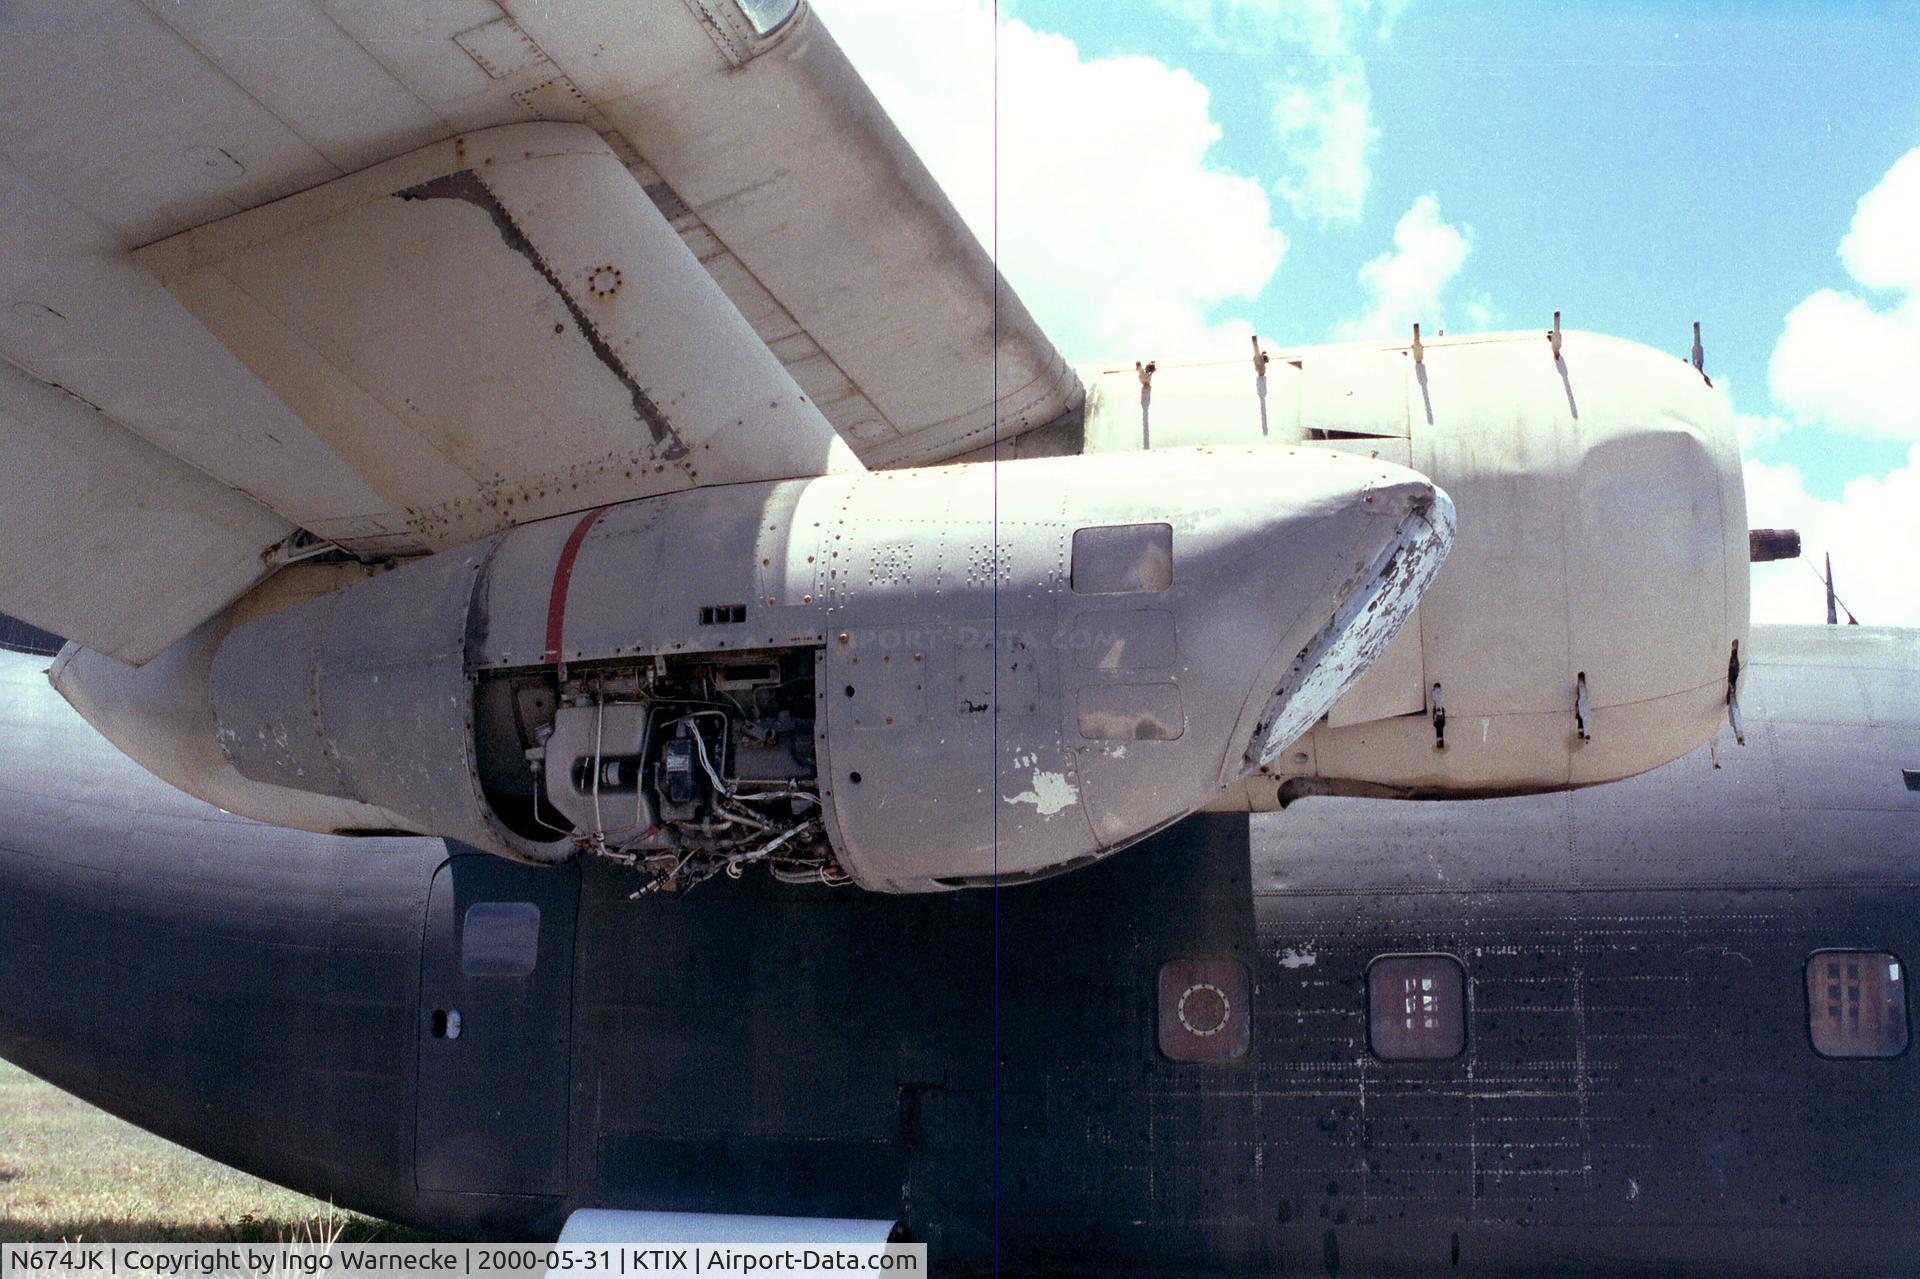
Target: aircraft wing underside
x,y
392,277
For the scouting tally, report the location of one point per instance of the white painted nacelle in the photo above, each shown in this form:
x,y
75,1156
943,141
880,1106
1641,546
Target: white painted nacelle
x,y
1585,626
912,680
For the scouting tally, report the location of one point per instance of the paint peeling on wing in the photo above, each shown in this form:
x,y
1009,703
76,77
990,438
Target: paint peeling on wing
x,y
1052,793
1361,628
466,185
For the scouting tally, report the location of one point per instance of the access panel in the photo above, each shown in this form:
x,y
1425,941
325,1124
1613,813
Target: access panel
x,y
496,1004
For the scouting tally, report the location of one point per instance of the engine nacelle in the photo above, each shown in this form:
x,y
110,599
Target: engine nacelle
x,y
912,680
1586,625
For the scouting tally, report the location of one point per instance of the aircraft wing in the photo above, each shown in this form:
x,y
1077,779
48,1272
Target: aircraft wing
x,y
289,273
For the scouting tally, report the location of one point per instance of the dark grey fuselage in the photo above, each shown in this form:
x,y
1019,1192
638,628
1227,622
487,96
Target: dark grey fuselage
x,y
1637,1089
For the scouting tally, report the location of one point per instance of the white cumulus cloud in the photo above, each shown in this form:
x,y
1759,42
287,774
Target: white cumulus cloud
x,y
1321,27
1115,226
1323,113
1880,249
1853,362
1326,131
1872,531
1405,285
1756,430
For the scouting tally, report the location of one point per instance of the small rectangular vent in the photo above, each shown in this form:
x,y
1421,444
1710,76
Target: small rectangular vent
x,y
1911,776
1332,433
722,614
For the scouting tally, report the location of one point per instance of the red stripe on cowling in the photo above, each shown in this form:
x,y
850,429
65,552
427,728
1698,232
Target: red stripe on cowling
x,y
562,578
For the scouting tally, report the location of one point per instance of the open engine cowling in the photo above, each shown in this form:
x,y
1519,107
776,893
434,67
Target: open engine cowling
x,y
910,680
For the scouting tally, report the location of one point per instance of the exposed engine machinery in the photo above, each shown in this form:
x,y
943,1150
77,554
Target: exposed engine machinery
x,y
946,677
913,681
682,768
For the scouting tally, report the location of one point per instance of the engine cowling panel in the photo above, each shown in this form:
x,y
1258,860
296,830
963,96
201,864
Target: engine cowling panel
x,y
1585,625
911,680
950,703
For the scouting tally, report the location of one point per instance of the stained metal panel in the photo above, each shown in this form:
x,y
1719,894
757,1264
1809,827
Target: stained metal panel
x,y
1124,640
1132,713
858,244
1354,389
124,122
1639,1092
109,540
492,1109
420,313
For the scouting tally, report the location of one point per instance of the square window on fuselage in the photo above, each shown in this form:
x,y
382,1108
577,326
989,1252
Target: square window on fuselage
x,y
1856,1003
1416,1007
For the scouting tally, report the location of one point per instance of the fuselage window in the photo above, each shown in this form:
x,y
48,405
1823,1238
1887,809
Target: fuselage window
x,y
500,939
1416,1007
1122,559
1856,1003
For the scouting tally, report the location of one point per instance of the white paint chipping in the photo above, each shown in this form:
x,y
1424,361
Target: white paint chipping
x,y
1051,793
1299,957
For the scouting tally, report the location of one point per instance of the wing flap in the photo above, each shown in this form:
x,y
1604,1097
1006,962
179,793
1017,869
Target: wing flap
x,y
743,129
496,329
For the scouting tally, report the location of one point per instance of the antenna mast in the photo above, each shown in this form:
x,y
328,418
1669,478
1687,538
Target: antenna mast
x,y
1834,606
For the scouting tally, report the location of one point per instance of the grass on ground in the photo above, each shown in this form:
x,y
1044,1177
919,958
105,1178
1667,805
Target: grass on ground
x,y
70,1171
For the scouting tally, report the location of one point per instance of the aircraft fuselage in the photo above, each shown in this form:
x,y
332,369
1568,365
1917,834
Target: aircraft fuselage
x,y
1635,1082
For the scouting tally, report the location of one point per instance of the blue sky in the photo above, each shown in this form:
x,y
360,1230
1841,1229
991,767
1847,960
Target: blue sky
x,y
1635,166
1173,170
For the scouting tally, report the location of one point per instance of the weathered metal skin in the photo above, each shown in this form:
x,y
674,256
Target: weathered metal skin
x,y
984,701
621,219
1637,1092
1112,713
1602,534
518,274
161,716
